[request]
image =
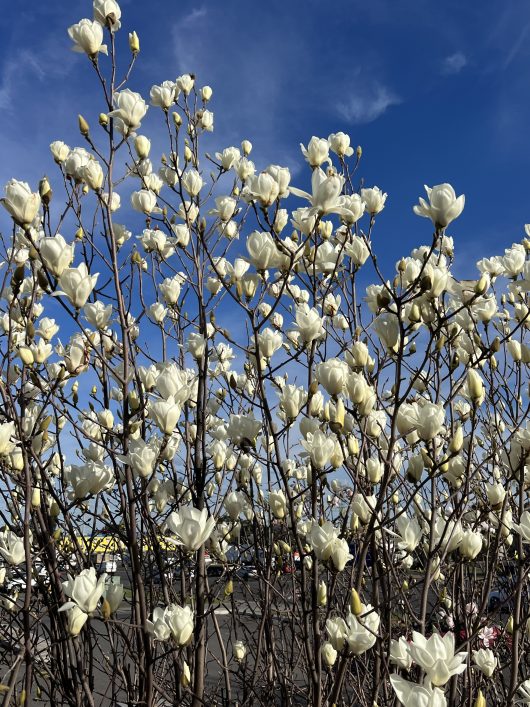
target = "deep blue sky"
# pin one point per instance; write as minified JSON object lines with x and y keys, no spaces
{"x":433,"y":91}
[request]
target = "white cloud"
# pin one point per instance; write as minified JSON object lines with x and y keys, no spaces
{"x":367,"y":103}
{"x":454,"y":63}
{"x":23,"y":64}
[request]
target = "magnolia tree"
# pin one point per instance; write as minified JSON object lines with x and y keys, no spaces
{"x":314,"y":489}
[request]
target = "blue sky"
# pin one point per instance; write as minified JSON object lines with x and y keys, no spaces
{"x":433,"y":91}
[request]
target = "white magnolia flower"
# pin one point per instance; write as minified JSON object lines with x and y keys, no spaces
{"x":114,"y":593}
{"x":7,"y":432}
{"x":12,"y":547}
{"x":144,"y":201}
{"x":108,"y":13}
{"x":77,"y":284}
{"x":278,"y":504}
{"x":76,"y":618}
{"x":87,"y":37}
{"x":325,"y":194}
{"x":85,"y":590}
{"x":374,"y":200}
{"x":130,"y":108}
{"x":317,"y":151}
{"x":165,"y":414}
{"x":361,"y":631}
{"x":339,"y":143}
{"x":174,"y":621}
{"x":399,"y":653}
{"x":411,"y":694}
{"x":163,"y":96}
{"x":437,"y":657}
{"x":443,"y":206}
{"x":56,"y":254}
{"x":485,"y":661}
{"x":191,"y":526}
{"x":21,"y":202}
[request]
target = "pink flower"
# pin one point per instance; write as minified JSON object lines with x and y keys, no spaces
{"x":488,"y":635}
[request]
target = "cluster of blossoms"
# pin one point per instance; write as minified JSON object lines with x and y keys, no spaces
{"x":222,"y":390}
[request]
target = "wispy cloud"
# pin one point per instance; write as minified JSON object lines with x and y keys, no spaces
{"x":516,"y":46}
{"x":23,"y":63}
{"x":454,"y":63}
{"x":367,"y":103}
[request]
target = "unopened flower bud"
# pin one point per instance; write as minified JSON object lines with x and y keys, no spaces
{"x":84,"y":128}
{"x":134,"y":42}
{"x":355,"y":603}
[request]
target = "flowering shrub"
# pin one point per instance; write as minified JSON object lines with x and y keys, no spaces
{"x":308,"y":491}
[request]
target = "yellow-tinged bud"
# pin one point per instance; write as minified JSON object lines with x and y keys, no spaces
{"x":359,"y":152}
{"x":229,"y":588}
{"x":185,"y":676}
{"x":337,"y":416}
{"x":415,"y":313}
{"x":134,"y":42}
{"x":26,"y":355}
{"x":188,"y":154}
{"x":405,"y":585}
{"x":45,"y":190}
{"x":177,"y":119}
{"x":482,"y":285}
{"x":509,"y":625}
{"x":355,"y":603}
{"x":457,"y":441}
{"x":103,"y":119}
{"x":322,"y":595}
{"x":35,"y":498}
{"x":106,"y":610}
{"x":480,"y":701}
{"x":84,"y":128}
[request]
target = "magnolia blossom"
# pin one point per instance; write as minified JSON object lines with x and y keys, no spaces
{"x":374,"y":200}
{"x":56,"y":254}
{"x":332,"y":375}
{"x":21,"y":202}
{"x":191,"y":526}
{"x":85,"y":590}
{"x":165,"y":413}
{"x":412,"y":695}
{"x":320,"y":448}
{"x":163,"y":96}
{"x":361,"y":631}
{"x":7,"y":432}
{"x":107,"y":13}
{"x":77,"y":284}
{"x":76,"y":618}
{"x":12,"y":547}
{"x":130,"y":108}
{"x":308,"y":324}
{"x":399,"y":653}
{"x":326,"y":544}
{"x":325,"y":194}
{"x":278,"y":504}
{"x":443,"y":206}
{"x":485,"y":661}
{"x":317,"y":151}
{"x":339,"y":143}
{"x":87,"y":37}
{"x":437,"y":657}
{"x":239,"y":650}
{"x":143,"y":201}
{"x":174,"y":621}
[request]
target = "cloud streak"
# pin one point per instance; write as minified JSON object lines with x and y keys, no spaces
{"x":454,"y":63}
{"x":367,"y":104}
